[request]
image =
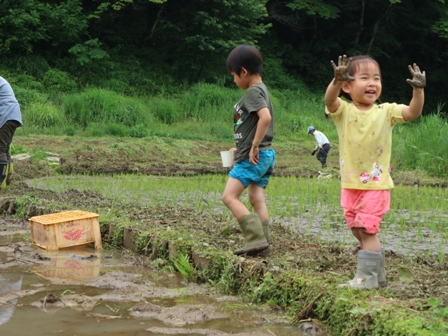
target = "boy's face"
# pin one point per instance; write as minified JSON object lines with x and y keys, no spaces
{"x":366,"y":88}
{"x":241,"y":79}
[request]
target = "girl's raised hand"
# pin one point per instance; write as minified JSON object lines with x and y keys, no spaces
{"x":341,"y":70}
{"x":418,"y":78}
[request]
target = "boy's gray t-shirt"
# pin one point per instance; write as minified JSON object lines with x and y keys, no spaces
{"x":245,"y":120}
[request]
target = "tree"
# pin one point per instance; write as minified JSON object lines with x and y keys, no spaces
{"x":189,"y":38}
{"x":33,"y":26}
{"x":395,"y":32}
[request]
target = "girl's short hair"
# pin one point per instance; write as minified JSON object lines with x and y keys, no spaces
{"x":245,"y":56}
{"x":355,"y":63}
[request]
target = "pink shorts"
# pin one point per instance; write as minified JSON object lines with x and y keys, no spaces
{"x":365,"y":208}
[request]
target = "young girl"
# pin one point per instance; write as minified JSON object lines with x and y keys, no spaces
{"x":254,"y":156}
{"x":365,"y":137}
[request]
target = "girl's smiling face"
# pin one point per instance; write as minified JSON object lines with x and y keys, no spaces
{"x":366,"y":88}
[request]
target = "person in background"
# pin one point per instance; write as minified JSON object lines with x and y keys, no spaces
{"x":322,"y":146}
{"x":10,"y":119}
{"x":254,"y":157}
{"x":365,"y":140}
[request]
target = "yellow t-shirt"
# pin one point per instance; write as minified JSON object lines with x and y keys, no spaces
{"x":365,"y":142}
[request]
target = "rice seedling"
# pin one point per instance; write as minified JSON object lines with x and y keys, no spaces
{"x":183,"y":266}
{"x":416,"y":221}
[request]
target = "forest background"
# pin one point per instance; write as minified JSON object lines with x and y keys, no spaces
{"x":157,"y":67}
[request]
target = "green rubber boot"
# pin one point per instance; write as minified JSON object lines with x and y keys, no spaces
{"x":254,"y":238}
{"x":10,"y":172}
{"x":382,"y":281}
{"x":267,"y":235}
{"x":366,"y":276}
{"x":4,"y":167}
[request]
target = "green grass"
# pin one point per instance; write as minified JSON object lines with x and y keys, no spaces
{"x":205,"y":112}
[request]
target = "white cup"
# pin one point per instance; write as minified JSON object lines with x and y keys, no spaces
{"x":227,"y":158}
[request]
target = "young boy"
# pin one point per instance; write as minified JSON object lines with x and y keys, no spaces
{"x":10,"y":119}
{"x":254,"y":156}
{"x":322,"y":145}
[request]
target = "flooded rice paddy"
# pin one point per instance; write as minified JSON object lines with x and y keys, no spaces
{"x":416,"y":223}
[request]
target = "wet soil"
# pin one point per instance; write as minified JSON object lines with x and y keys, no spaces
{"x":83,"y":291}
{"x":411,"y":281}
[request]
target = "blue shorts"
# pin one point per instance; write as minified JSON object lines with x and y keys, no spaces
{"x":247,"y":173}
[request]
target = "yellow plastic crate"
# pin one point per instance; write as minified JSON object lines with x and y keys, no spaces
{"x":66,"y":229}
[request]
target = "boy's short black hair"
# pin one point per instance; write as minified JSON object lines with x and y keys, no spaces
{"x":247,"y":57}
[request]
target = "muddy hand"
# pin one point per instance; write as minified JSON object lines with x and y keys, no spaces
{"x":418,"y":80}
{"x":341,"y":70}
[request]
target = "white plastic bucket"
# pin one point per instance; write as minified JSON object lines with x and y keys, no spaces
{"x":227,"y":158}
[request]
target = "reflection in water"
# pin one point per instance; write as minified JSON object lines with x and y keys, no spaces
{"x":12,"y":283}
{"x":88,"y":292}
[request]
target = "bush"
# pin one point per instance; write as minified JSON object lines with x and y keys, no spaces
{"x":106,"y":107}
{"x":27,"y":97}
{"x":138,"y":131}
{"x":422,"y":143}
{"x":60,"y":81}
{"x":209,"y":102}
{"x":116,"y":130}
{"x":167,"y":111}
{"x":43,"y":115}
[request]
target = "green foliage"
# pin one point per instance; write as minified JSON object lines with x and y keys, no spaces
{"x":183,"y":266}
{"x":102,"y":106}
{"x":115,"y":129}
{"x":422,"y":144}
{"x":118,"y":235}
{"x":207,"y":31}
{"x":315,"y":8}
{"x":27,"y":82}
{"x":23,"y":203}
{"x":69,"y":130}
{"x":27,"y":26}
{"x":28,"y":97}
{"x":43,"y":115}
{"x":117,"y":86}
{"x":59,"y":81}
{"x":167,"y":111}
{"x":439,"y":320}
{"x":203,"y":102}
{"x":138,"y":131}
{"x":30,"y":65}
{"x":88,"y":53}
{"x":222,"y":270}
{"x":107,"y":6}
{"x":16,"y":149}
{"x":96,"y":129}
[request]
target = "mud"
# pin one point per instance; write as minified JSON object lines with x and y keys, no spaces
{"x":412,"y":278}
{"x":87,"y":292}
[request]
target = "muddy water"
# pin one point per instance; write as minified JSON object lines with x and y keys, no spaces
{"x":89,"y":292}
